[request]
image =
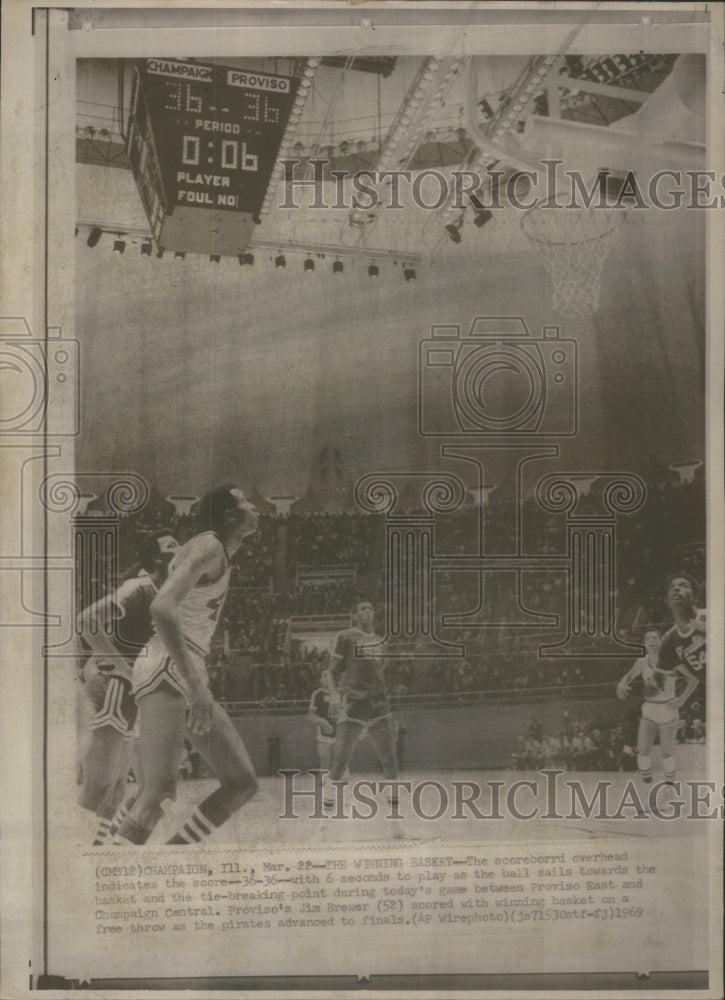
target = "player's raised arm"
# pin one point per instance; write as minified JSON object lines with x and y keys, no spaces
{"x":624,"y":685}
{"x":201,"y":557}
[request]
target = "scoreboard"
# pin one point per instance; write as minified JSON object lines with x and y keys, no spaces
{"x":202,"y":142}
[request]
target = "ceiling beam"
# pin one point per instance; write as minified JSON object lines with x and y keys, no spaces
{"x":116,"y":229}
{"x":603,"y":89}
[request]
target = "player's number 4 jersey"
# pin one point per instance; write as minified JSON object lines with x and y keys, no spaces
{"x":200,"y":609}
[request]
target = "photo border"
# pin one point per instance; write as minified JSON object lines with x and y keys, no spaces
{"x":23,"y":297}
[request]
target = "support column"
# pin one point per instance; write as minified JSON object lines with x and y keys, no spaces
{"x":409,"y":578}
{"x":94,"y":538}
{"x":95,"y":552}
{"x":510,"y":460}
{"x":591,"y":502}
{"x":410,"y":625}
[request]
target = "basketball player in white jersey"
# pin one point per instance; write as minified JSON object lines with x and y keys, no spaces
{"x":660,"y":710}
{"x":116,"y":629}
{"x":171,"y":681}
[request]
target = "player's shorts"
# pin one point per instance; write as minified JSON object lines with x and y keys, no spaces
{"x":661,"y":713}
{"x":365,"y":709}
{"x":111,"y":698}
{"x":154,"y":669}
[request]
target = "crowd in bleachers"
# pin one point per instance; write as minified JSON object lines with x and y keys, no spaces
{"x":332,"y":597}
{"x":666,"y":533}
{"x":330,"y":539}
{"x":480,"y":672}
{"x":252,"y":673}
{"x":311,"y":540}
{"x":254,"y":563}
{"x":254,"y":624}
{"x":268,"y":685}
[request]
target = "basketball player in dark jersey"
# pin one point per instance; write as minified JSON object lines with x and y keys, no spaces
{"x":686,"y":641}
{"x":171,"y":681}
{"x":359,"y":696}
{"x":116,"y":629}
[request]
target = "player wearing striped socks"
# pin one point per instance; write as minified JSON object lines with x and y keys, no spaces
{"x":206,"y":818}
{"x":102,"y":830}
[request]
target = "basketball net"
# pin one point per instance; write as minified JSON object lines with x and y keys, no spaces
{"x":573,"y":244}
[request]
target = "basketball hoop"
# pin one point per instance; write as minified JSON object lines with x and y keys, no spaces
{"x":573,"y":243}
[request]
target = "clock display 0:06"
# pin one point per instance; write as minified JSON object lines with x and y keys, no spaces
{"x":233,"y":154}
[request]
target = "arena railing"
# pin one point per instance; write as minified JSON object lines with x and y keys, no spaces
{"x":451,"y":699}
